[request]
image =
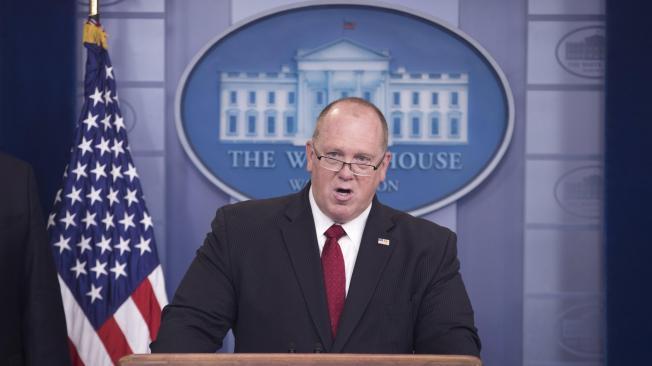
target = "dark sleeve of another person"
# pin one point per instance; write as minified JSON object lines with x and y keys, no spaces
{"x":44,"y":323}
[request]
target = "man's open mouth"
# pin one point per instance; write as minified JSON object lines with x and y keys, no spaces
{"x":343,"y":194}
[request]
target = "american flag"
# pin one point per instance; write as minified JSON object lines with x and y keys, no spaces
{"x":101,"y":233}
{"x":348,"y":24}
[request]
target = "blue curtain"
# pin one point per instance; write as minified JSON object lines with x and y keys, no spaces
{"x":37,"y":86}
{"x":628,"y":179}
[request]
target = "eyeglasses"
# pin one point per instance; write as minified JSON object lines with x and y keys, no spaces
{"x":335,"y":165}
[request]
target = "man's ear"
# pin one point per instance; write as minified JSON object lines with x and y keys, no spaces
{"x":309,"y":152}
{"x":385,"y":165}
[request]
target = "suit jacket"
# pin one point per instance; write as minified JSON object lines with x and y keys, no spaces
{"x":259,"y":273}
{"x":33,"y":325}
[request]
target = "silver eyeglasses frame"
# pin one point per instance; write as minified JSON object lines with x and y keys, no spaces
{"x":327,"y":162}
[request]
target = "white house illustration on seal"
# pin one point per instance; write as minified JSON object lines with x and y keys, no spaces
{"x":282,"y":106}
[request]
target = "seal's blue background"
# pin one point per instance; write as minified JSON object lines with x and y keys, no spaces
{"x":414,"y":43}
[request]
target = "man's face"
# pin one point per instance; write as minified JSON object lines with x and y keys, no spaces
{"x":351,"y":133}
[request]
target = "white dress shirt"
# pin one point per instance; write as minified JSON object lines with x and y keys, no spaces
{"x":349,"y":243}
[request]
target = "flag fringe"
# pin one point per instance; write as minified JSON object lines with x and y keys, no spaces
{"x":94,"y":34}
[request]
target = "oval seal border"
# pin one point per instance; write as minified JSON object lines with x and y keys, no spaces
{"x":457,"y":194}
{"x":563,"y":64}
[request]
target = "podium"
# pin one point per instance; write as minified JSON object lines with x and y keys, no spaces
{"x":295,"y":359}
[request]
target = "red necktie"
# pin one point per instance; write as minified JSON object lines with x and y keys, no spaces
{"x":332,"y":263}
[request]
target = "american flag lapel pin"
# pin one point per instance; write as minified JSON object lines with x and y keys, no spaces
{"x":383,"y":241}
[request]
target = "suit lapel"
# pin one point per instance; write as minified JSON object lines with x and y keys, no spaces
{"x":369,"y":266}
{"x":301,"y":243}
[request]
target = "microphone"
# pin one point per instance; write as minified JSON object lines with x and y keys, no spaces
{"x":317,"y":348}
{"x":292,"y":348}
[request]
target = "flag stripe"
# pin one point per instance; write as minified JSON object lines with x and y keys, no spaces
{"x":148,"y":306}
{"x":114,"y":340}
{"x":74,"y":356}
{"x":133,"y":326}
{"x":158,"y":284}
{"x":89,"y":346}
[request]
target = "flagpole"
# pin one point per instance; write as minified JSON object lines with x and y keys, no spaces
{"x":92,"y":9}
{"x":114,"y":313}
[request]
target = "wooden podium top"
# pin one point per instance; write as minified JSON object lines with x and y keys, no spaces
{"x":320,"y":359}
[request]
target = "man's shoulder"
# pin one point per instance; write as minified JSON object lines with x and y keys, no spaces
{"x":261,"y":207}
{"x":16,"y":185}
{"x":406,"y":223}
{"x":10,"y":164}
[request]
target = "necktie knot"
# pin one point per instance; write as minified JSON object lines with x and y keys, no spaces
{"x":335,"y":232}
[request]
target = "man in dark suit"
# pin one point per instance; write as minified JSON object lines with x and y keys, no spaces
{"x":328,"y":269}
{"x":33,"y":326}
